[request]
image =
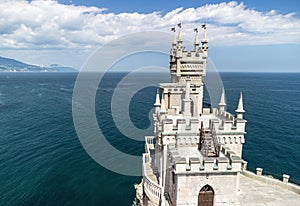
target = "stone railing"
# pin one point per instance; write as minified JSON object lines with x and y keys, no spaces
{"x":149,"y":139}
{"x":272,"y":181}
{"x":151,"y":188}
{"x":149,"y":144}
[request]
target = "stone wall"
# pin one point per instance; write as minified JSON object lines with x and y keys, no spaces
{"x":188,"y":187}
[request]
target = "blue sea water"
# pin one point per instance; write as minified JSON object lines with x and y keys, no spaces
{"x":43,"y":163}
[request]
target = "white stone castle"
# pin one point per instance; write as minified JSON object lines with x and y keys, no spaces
{"x":195,"y":155}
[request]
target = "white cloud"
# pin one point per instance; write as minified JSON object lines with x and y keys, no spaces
{"x":47,"y":24}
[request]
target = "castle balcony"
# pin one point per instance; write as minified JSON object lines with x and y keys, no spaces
{"x":151,"y":187}
{"x":149,"y":143}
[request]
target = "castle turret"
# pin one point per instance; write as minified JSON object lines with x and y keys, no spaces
{"x":174,"y":38}
{"x":179,"y":52}
{"x":240,"y":110}
{"x":157,"y":102}
{"x":222,"y":103}
{"x":163,"y":105}
{"x":187,"y":100}
{"x":179,"y":40}
{"x":196,"y":41}
{"x":185,"y":65}
{"x":204,"y":41}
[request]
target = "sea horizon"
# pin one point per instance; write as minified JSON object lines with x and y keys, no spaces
{"x":43,"y":162}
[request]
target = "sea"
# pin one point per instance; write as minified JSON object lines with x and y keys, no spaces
{"x":42,"y":161}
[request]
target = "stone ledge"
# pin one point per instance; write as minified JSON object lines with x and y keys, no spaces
{"x":274,"y":182}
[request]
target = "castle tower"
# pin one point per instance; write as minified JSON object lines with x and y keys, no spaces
{"x":157,"y":102}
{"x":204,"y":39}
{"x":186,"y":65}
{"x":222,"y":103}
{"x":196,"y":41}
{"x":191,"y":144}
{"x":163,"y":106}
{"x":195,"y":155}
{"x":240,"y":109}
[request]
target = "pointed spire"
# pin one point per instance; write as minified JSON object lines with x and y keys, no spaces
{"x":157,"y":99}
{"x":163,"y":105}
{"x":174,"y":38}
{"x":240,"y":109}
{"x":204,"y":40}
{"x":179,"y":33}
{"x":196,"y":41}
{"x":222,"y":103}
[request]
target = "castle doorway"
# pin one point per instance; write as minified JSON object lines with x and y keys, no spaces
{"x":206,"y":196}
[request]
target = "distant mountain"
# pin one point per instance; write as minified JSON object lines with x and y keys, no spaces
{"x":12,"y":65}
{"x":62,"y":68}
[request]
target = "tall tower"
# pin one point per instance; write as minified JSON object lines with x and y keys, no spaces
{"x":184,"y":63}
{"x":189,"y":65}
{"x":194,"y":157}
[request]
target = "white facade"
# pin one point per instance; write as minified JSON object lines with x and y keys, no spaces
{"x":195,"y":153}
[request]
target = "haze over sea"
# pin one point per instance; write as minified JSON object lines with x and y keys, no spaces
{"x":43,"y":163}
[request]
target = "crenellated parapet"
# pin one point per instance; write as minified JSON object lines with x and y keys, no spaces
{"x":228,"y":163}
{"x":230,"y":128}
{"x":172,"y":126}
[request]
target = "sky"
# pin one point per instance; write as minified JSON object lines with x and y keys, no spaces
{"x":244,"y":36}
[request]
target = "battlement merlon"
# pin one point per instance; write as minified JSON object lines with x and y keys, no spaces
{"x":175,"y":129}
{"x":191,"y":161}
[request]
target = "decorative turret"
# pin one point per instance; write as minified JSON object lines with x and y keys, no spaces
{"x":222,"y":103}
{"x":163,"y":106}
{"x":179,"y":51}
{"x":173,"y":49}
{"x":179,"y":34}
{"x":240,"y":110}
{"x":196,"y":41}
{"x":185,"y":63}
{"x":187,"y":99}
{"x":157,"y":102}
{"x":174,"y":38}
{"x":204,"y":39}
